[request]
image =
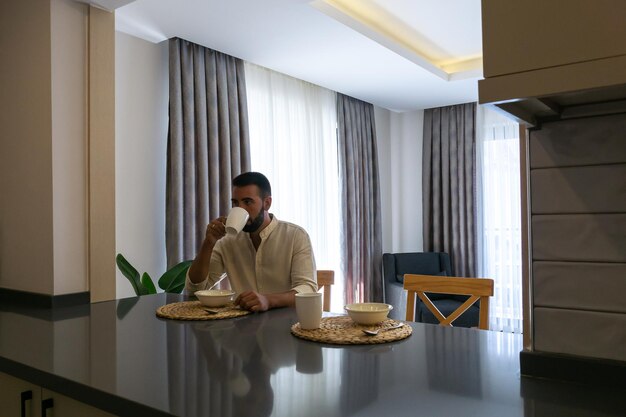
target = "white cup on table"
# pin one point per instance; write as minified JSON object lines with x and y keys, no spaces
{"x":309,"y":309}
{"x":236,"y":220}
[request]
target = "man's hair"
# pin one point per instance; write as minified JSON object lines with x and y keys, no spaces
{"x":254,"y":178}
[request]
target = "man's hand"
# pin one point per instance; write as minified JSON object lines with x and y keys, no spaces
{"x":199,"y":268}
{"x":215,"y":230}
{"x":253,"y":301}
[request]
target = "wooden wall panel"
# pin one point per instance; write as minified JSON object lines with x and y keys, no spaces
{"x":578,"y":228}
{"x":587,"y":141}
{"x":579,"y":237}
{"x":588,"y":189}
{"x":583,"y":333}
{"x":26,"y":205}
{"x":101,"y":155}
{"x":580,"y":285}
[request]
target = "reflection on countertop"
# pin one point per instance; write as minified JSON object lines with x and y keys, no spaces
{"x":120,"y":357}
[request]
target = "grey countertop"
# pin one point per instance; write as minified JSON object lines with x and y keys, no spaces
{"x":118,"y":356}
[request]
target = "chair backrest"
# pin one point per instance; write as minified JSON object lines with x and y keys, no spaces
{"x":477,"y":288}
{"x":325,"y":278}
{"x":395,"y":265}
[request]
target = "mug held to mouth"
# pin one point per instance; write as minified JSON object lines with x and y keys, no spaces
{"x":236,"y":220}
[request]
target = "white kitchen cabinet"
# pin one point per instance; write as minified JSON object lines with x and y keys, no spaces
{"x":19,"y":398}
{"x":68,"y":407}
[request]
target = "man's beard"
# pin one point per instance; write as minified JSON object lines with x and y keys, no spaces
{"x":256,"y":223}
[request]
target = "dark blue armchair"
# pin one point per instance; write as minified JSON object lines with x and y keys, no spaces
{"x":395,"y":265}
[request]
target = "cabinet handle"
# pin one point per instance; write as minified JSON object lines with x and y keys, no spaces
{"x":25,"y":396}
{"x":45,"y":405}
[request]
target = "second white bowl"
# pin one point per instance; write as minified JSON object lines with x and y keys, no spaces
{"x":215,"y":298}
{"x":368,"y":313}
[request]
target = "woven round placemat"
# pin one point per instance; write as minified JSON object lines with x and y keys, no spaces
{"x":342,"y":330}
{"x":194,"y":310}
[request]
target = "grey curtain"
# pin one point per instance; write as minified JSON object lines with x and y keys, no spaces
{"x":361,"y":240}
{"x":449,"y":185}
{"x":208,"y":142}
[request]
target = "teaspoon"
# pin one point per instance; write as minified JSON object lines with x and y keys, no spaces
{"x":375,"y":332}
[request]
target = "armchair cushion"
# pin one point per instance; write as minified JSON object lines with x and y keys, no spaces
{"x":426,"y":263}
{"x":395,"y":265}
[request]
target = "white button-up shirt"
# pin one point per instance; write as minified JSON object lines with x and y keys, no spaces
{"x":283,"y":262}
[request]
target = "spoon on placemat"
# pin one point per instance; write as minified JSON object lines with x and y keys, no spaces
{"x":375,"y":332}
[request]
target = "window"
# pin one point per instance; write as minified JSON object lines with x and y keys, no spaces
{"x":500,"y":217}
{"x":293,"y":141}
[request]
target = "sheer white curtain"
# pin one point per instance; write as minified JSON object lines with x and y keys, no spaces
{"x":293,"y":141}
{"x":500,"y":217}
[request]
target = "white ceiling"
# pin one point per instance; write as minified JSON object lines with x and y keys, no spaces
{"x":398,"y":54}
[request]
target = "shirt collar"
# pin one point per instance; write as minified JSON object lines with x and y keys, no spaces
{"x":270,"y":227}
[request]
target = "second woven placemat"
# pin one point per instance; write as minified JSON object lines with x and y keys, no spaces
{"x":342,"y":330}
{"x":194,"y":310}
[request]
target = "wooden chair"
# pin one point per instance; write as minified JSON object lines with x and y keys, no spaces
{"x":324,"y":280}
{"x":476,"y":288}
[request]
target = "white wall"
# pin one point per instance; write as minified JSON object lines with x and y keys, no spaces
{"x":141,"y":108}
{"x":399,"y":138}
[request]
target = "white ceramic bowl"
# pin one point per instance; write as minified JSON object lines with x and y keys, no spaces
{"x":215,"y":298}
{"x":368,"y":313}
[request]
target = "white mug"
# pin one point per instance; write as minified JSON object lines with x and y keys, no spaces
{"x":236,"y":220}
{"x":309,"y":309}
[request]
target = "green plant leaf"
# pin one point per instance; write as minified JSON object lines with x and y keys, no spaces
{"x":146,"y":281}
{"x":172,"y":279}
{"x":130,"y":273}
{"x":178,"y":289}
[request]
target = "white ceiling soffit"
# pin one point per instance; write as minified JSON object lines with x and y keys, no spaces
{"x":424,"y":54}
{"x":108,"y":5}
{"x":394,"y":25}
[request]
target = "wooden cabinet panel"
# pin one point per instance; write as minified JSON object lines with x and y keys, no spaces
{"x":527,"y":35}
{"x":541,"y":56}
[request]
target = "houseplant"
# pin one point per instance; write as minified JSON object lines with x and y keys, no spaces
{"x":172,"y":280}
